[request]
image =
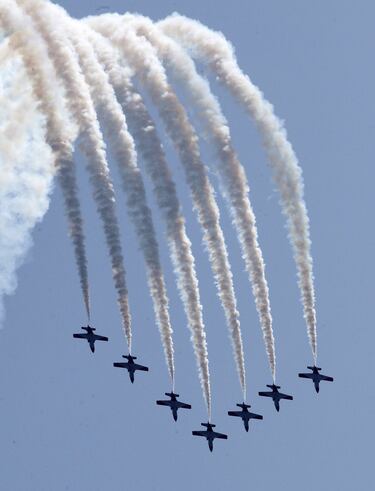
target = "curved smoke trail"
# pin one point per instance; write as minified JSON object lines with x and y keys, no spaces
{"x":25,"y":184}
{"x":142,"y":58}
{"x":59,"y":132}
{"x":143,"y":128}
{"x":212,"y":48}
{"x":232,"y":175}
{"x":82,"y":109}
{"x":125,"y":153}
{"x":72,"y":69}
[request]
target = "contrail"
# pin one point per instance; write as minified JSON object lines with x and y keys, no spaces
{"x":82,"y":109}
{"x":25,"y":184}
{"x":58,"y":76}
{"x":212,"y":48}
{"x":59,"y":132}
{"x":143,"y":128}
{"x":232,"y":175}
{"x":117,"y":132}
{"x":142,"y":58}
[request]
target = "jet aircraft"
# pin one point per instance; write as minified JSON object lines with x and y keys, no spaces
{"x":245,"y":414}
{"x":210,"y":434}
{"x":90,"y":336}
{"x":173,"y":403}
{"x":276,"y":395}
{"x":315,"y":376}
{"x":130,"y":366}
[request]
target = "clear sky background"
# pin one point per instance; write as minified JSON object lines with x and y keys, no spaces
{"x":70,"y":421}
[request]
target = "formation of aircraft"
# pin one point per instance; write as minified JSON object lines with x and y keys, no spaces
{"x":90,"y":336}
{"x":245,"y":414}
{"x":210,"y":434}
{"x":276,"y":395}
{"x":174,"y":404}
{"x":316,"y":377}
{"x":131,"y":366}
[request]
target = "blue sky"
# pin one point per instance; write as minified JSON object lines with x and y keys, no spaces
{"x":73,"y":422}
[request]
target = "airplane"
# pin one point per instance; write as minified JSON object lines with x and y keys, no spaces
{"x":90,"y":336}
{"x":130,"y":366}
{"x":276,"y":395}
{"x":210,"y":434}
{"x":245,"y":414}
{"x":173,"y":403}
{"x":315,"y":376}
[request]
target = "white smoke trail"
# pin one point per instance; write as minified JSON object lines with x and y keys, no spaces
{"x":143,"y":128}
{"x":117,"y":132}
{"x":178,"y":127}
{"x":59,"y":130}
{"x":212,"y":48}
{"x":25,"y":183}
{"x":232,"y":175}
{"x":142,"y":58}
{"x":81,"y":107}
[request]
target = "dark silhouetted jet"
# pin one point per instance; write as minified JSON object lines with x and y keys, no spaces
{"x":245,"y":414}
{"x":90,"y":336}
{"x":276,"y":395}
{"x":210,"y":434}
{"x":130,"y":366}
{"x":174,"y":404}
{"x":315,"y":376}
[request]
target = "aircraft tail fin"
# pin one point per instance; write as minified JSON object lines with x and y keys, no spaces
{"x":207,"y":425}
{"x":243,"y":405}
{"x":129,"y":357}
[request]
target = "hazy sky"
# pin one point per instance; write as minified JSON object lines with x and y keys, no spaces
{"x":70,"y":421}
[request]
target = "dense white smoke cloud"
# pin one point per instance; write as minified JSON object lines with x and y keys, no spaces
{"x":60,"y":132}
{"x":26,"y":168}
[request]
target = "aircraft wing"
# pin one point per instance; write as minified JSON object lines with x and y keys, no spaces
{"x":183,"y":405}
{"x":256,"y":416}
{"x":266,"y":394}
{"x":305,"y":375}
{"x":140,"y":367}
{"x":286,"y":396}
{"x":220,"y":435}
{"x":325,"y":377}
{"x":235,"y":413}
{"x":80,"y":336}
{"x":121,"y":365}
{"x":163,"y":403}
{"x":100,"y":338}
{"x":200,"y":433}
